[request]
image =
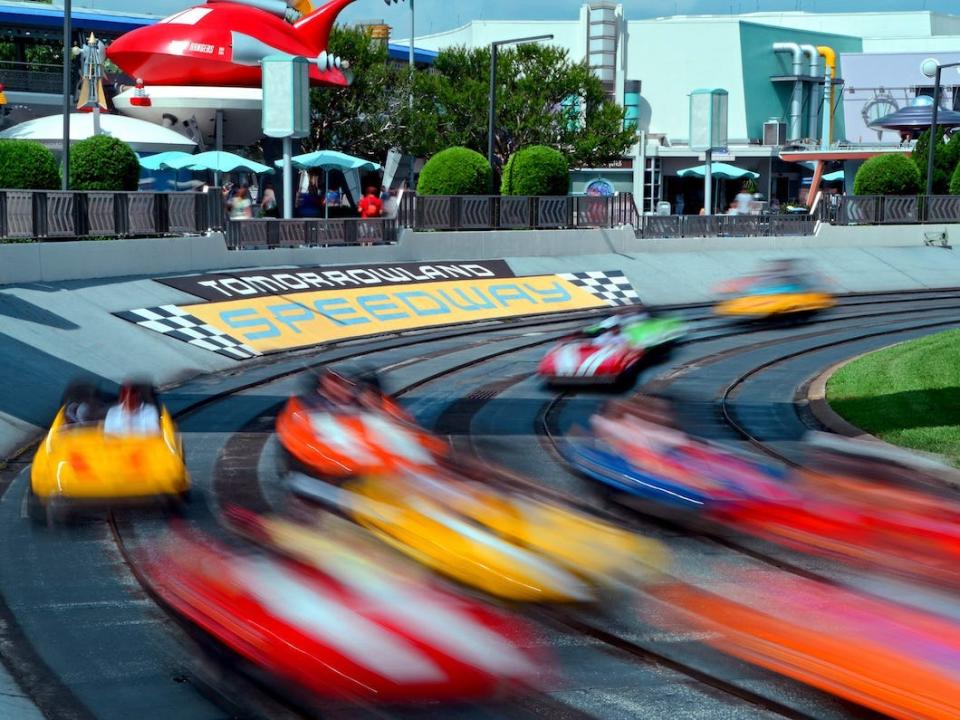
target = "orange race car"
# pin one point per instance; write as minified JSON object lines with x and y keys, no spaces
{"x":901,"y":661}
{"x":346,"y":428}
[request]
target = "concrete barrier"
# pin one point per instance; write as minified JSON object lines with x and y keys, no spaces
{"x":56,"y":321}
{"x":152,"y":257}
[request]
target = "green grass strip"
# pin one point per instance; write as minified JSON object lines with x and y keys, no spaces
{"x":908,"y":394}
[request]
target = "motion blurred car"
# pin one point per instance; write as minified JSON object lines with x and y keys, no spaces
{"x":510,"y":547}
{"x":871,"y":506}
{"x":341,"y":627}
{"x":782,"y":288}
{"x":346,"y":429}
{"x":887,"y":656}
{"x":636,"y":452}
{"x":609,"y":351}
{"x":83,"y":462}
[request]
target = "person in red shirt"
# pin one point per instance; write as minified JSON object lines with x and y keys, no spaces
{"x":371,"y":206}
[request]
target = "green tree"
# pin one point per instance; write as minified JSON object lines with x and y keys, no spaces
{"x":40,"y":54}
{"x":455,"y":171}
{"x":954,"y":187}
{"x":543,"y":98}
{"x":945,"y":160}
{"x":102,"y":162}
{"x":364,"y":118}
{"x":27,"y":165}
{"x":890,"y":174}
{"x":537,"y":170}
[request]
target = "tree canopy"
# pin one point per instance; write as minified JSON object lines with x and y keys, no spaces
{"x":364,"y":118}
{"x":542,"y":99}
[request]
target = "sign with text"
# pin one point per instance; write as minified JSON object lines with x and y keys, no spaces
{"x":257,"y":283}
{"x":252,"y":316}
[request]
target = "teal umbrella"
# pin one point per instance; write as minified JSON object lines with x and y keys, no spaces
{"x":720,"y":171}
{"x":161,"y":161}
{"x":833,"y":177}
{"x":328,"y":160}
{"x":223,"y":162}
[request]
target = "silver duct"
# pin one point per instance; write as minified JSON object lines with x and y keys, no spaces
{"x":794,"y":129}
{"x":816,"y":90}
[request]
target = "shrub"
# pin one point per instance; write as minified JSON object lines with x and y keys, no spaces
{"x":102,"y":162}
{"x":455,"y":171}
{"x":536,"y":170}
{"x":946,"y":158}
{"x":955,"y":182}
{"x":27,"y":165}
{"x":887,"y":175}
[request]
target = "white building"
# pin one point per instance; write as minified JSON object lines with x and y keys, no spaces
{"x":650,"y":66}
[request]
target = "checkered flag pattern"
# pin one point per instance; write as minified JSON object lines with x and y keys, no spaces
{"x":174,"y":322}
{"x":611,"y":286}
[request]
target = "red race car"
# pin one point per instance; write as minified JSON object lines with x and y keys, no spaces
{"x":355,"y":632}
{"x":607,"y":352}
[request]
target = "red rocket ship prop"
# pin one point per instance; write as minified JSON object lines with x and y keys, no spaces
{"x":222,"y":43}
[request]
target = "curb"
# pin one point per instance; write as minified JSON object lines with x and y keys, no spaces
{"x":816,"y":396}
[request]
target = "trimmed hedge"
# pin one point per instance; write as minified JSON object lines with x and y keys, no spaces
{"x":27,"y":165}
{"x":104,"y":163}
{"x":955,"y":182}
{"x":946,"y":158}
{"x":455,"y":171}
{"x":887,"y":175}
{"x":536,"y":170}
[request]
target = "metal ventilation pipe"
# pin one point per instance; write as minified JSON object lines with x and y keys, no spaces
{"x":829,"y":74}
{"x":815,"y":95}
{"x":794,"y":130}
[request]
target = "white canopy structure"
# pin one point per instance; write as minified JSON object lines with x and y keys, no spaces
{"x":142,"y":136}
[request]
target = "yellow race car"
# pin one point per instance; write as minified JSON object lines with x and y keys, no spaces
{"x":781,"y":289}
{"x":506,"y":545}
{"x":99,"y":453}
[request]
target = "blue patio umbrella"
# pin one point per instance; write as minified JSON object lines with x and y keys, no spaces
{"x":160,"y":160}
{"x":328,"y":160}
{"x":720,"y":171}
{"x":833,"y":177}
{"x":218,"y":161}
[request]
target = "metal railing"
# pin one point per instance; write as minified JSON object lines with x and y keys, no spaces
{"x":31,"y":77}
{"x":680,"y":226}
{"x":506,"y":212}
{"x":892,"y":209}
{"x":269,"y":233}
{"x":55,"y":215}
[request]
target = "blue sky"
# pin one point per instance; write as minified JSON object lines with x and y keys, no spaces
{"x":437,"y":15}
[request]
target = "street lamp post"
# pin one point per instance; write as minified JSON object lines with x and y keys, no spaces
{"x":932,"y":68}
{"x":67,"y":32}
{"x":411,"y":61}
{"x":492,"y":111}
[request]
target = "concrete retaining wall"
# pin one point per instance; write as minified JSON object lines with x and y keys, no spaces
{"x":60,"y":261}
{"x":56,"y":322}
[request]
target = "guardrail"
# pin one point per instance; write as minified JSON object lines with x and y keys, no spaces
{"x":31,"y":77}
{"x":268,"y":233}
{"x":679,"y":226}
{"x":508,"y":212}
{"x":892,"y":209}
{"x":55,"y":215}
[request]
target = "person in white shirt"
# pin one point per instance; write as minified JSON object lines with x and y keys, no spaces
{"x":131,"y":415}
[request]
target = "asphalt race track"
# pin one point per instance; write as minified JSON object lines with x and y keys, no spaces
{"x":86,"y":641}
